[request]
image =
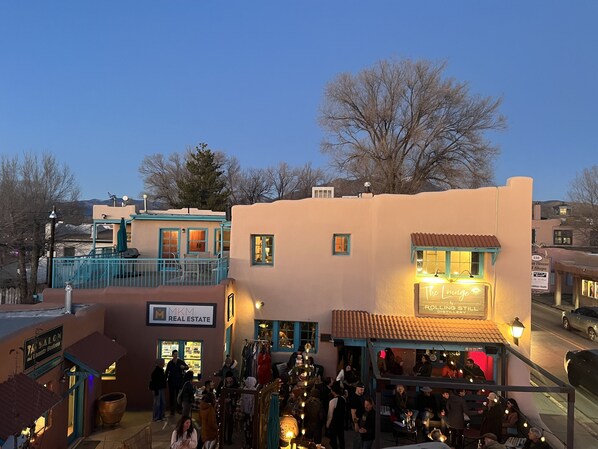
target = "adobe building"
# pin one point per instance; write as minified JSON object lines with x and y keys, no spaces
{"x":163,"y":283}
{"x":51,"y":376}
{"x":440,"y":273}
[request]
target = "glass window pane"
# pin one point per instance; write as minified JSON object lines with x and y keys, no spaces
{"x":286,"y":335}
{"x":264,"y":330}
{"x":433,"y":262}
{"x":197,"y":240}
{"x":308,"y":335}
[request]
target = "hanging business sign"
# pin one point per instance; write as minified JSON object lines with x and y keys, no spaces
{"x":540,"y":272}
{"x":181,"y":314}
{"x":451,"y":299}
{"x":42,"y":346}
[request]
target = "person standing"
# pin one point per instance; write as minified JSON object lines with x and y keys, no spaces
{"x":209,"y":424}
{"x":184,"y":436}
{"x":367,"y":424}
{"x":314,"y":417}
{"x":187,"y":393}
{"x":492,"y":416}
{"x":335,"y":422}
{"x":174,"y":375}
{"x":456,"y":409}
{"x":264,"y":365}
{"x":356,"y":404}
{"x":158,"y":386}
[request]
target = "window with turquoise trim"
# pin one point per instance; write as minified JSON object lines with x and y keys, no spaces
{"x":453,"y":263}
{"x":225,"y":241}
{"x":341,"y":244}
{"x":287,"y":336}
{"x":197,"y":240}
{"x":262,"y":249}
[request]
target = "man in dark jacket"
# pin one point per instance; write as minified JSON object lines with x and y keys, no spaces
{"x":367,"y":424}
{"x":314,"y":417}
{"x":158,"y":387}
{"x":335,"y":422}
{"x":427,"y":407}
{"x":175,"y":371}
{"x":456,"y":408}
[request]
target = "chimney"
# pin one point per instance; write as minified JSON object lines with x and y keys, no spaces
{"x":537,"y":212}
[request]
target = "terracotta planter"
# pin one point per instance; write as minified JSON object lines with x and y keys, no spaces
{"x":112,"y":407}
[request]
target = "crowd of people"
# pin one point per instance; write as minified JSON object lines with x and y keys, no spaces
{"x":328,"y":409}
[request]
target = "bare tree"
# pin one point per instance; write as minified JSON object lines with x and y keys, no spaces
{"x":403,"y":124}
{"x":254,"y":186}
{"x":308,"y":177}
{"x":29,"y":188}
{"x":283,"y":179}
{"x":160,"y":176}
{"x":233,"y":176}
{"x":584,"y":193}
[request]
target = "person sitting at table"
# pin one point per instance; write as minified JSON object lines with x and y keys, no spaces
{"x":424,"y":367}
{"x":450,"y":370}
{"x":535,"y":440}
{"x":471,"y":370}
{"x":491,"y":442}
{"x":400,"y":406}
{"x":511,"y":418}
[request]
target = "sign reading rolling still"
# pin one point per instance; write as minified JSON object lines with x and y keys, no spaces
{"x":451,"y":299}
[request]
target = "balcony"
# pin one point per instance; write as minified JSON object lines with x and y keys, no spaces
{"x":99,"y":271}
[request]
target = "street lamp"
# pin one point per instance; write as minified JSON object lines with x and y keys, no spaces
{"x":52,"y":218}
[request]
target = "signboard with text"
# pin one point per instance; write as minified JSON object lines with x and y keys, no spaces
{"x":42,"y":346}
{"x":540,"y":272}
{"x":451,"y":299}
{"x":181,"y":314}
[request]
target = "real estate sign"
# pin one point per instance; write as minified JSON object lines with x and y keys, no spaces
{"x":181,"y":314}
{"x":540,"y":272}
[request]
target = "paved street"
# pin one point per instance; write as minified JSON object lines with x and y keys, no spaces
{"x":550,"y":342}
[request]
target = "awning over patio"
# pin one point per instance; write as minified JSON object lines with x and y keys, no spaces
{"x":355,"y":324}
{"x":23,"y":401}
{"x":95,"y":353}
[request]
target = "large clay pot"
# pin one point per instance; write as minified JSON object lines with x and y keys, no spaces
{"x":112,"y":407}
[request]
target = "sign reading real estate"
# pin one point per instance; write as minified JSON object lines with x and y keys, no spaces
{"x":540,"y":272}
{"x":181,"y":314}
{"x":42,"y":346}
{"x":451,"y":299}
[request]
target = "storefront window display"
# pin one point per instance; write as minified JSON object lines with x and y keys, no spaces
{"x":189,"y":351}
{"x":589,"y":288}
{"x":287,"y":335}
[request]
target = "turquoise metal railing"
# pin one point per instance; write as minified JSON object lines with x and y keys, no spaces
{"x":100,"y":272}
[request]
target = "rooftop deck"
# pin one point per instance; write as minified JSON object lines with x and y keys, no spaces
{"x":91,"y":272}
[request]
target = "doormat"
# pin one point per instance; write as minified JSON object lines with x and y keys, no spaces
{"x":88,"y":444}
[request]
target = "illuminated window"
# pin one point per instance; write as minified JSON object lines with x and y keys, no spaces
{"x":341,"y":244}
{"x":197,"y":240}
{"x":287,"y":336}
{"x":563,"y":237}
{"x":432,"y":262}
{"x":262,"y":249}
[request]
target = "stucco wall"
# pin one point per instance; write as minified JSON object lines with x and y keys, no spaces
{"x":307,"y":281}
{"x":75,"y":327}
{"x":126,"y":322}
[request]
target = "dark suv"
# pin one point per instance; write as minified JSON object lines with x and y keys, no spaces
{"x":582,"y":368}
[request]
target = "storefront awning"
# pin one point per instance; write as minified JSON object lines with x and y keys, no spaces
{"x":24,"y":400}
{"x":95,"y":353}
{"x":354,"y":324}
{"x":455,"y":242}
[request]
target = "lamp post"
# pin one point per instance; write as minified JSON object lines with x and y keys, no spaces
{"x":52,"y":217}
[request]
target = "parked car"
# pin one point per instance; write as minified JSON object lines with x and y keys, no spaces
{"x":584,"y":319}
{"x":582,"y":368}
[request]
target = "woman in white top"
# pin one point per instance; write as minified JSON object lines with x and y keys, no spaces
{"x":184,"y":436}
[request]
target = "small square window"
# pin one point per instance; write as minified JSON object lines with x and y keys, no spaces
{"x":341,"y":244}
{"x":262,"y":249}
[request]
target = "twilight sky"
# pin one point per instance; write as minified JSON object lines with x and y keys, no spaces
{"x":101,"y":84}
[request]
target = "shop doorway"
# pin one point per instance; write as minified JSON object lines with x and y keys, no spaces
{"x":75,"y":406}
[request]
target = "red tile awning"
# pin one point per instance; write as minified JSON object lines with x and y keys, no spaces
{"x":23,"y":401}
{"x":419,"y":239}
{"x":360,"y":325}
{"x":95,"y":353}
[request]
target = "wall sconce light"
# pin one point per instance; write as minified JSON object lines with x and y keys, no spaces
{"x":517,"y":329}
{"x":259,"y":304}
{"x":183,"y":230}
{"x":104,"y":216}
